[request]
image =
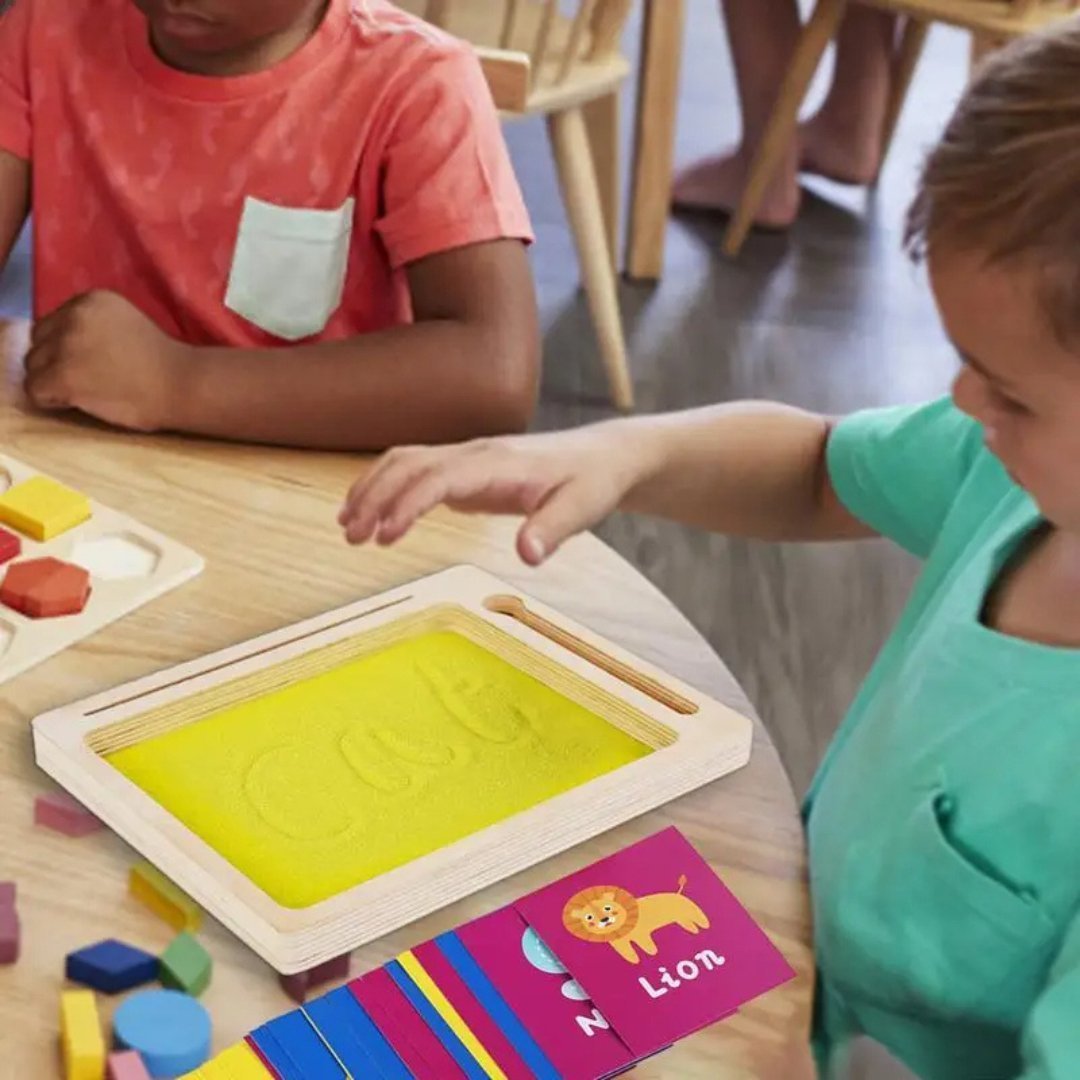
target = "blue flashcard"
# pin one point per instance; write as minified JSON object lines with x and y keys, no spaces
{"x":483,"y":989}
{"x":342,"y":1022}
{"x":295,"y":1050}
{"x":453,"y":1045}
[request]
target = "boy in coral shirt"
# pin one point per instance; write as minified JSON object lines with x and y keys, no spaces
{"x":285,"y":221}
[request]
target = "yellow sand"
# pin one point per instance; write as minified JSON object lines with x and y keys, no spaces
{"x":336,"y":779}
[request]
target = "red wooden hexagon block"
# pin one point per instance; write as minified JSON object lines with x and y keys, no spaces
{"x":10,"y":546}
{"x":45,"y":588}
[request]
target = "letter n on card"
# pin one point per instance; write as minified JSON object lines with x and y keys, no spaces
{"x":656,"y":941}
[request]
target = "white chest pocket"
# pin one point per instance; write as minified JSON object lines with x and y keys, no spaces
{"x":288,"y":269}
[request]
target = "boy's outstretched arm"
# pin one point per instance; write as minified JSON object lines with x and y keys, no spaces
{"x":468,"y":366}
{"x":748,"y":469}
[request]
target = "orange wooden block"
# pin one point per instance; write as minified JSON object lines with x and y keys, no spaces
{"x":45,"y":588}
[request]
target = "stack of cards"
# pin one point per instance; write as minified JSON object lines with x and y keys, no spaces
{"x":578,"y":981}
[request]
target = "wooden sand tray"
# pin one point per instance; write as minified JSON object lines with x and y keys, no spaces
{"x":323,"y":785}
{"x":129,"y":564}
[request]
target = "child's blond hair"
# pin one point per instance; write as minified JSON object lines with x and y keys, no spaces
{"x":1005,"y":178}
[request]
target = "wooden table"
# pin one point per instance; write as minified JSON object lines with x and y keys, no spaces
{"x":662,"y":25}
{"x":264,"y":519}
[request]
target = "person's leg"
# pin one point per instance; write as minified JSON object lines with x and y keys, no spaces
{"x":762,"y":34}
{"x":843,"y":141}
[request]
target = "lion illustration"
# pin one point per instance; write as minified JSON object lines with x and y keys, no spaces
{"x":607,"y":913}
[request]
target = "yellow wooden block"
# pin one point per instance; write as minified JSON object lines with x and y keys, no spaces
{"x":80,"y":1036}
{"x":163,"y":898}
{"x":43,"y":508}
{"x":239,"y":1062}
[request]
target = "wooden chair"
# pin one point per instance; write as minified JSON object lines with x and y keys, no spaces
{"x":992,"y":22}
{"x":562,"y":59}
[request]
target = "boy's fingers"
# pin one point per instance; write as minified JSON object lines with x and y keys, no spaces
{"x":413,"y":502}
{"x":393,"y":470}
{"x":362,"y":484}
{"x":371,"y":507}
{"x":44,"y":328}
{"x":45,"y":388}
{"x":38,"y":358}
{"x":467,"y":483}
{"x":570,"y":510}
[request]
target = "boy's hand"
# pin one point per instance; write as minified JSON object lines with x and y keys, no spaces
{"x":563,"y":483}
{"x":99,"y":354}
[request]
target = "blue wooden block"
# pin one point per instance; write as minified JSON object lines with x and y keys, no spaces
{"x":111,"y":967}
{"x":170,"y":1030}
{"x":293,"y":1047}
{"x":343,"y":1023}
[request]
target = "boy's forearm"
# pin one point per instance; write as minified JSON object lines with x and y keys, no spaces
{"x":431,"y":382}
{"x":751,"y":469}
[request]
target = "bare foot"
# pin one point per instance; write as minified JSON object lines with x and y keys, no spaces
{"x":846,"y":153}
{"x":714,"y":185}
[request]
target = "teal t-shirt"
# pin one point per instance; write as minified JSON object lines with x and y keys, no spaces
{"x":944,"y":822}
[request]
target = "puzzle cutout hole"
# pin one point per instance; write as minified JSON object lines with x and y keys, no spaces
{"x":326,"y":777}
{"x":119,"y":557}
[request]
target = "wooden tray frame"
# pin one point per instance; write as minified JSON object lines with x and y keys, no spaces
{"x":691,"y":750}
{"x":35,"y":640}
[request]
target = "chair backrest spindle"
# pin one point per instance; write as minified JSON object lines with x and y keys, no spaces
{"x":510,"y":20}
{"x":608,"y":23}
{"x":559,"y":37}
{"x":543,"y":37}
{"x":583,"y":22}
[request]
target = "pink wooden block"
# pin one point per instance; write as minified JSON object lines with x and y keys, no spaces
{"x":126,"y":1065}
{"x":298,"y":986}
{"x":61,"y":813}
{"x":9,"y":934}
{"x":7,"y":894}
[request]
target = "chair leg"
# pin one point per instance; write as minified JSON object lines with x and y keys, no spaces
{"x":820,"y":30}
{"x":602,"y":122}
{"x":581,"y":193}
{"x":907,"y":59}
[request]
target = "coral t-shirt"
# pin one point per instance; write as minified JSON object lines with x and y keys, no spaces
{"x":281,"y":205}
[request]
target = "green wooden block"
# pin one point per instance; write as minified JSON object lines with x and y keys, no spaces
{"x":186,"y":965}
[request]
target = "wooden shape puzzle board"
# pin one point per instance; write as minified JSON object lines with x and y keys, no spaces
{"x":321,"y":786}
{"x":129,"y":563}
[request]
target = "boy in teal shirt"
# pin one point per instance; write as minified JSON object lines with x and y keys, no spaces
{"x":943,"y":822}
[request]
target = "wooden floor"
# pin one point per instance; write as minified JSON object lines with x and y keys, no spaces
{"x":831,"y":318}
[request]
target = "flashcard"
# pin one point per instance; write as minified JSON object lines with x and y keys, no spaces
{"x":294,"y":1049}
{"x":575,"y":1037}
{"x":656,"y":941}
{"x":411,"y":1038}
{"x":479,"y":1027}
{"x":496,"y":1007}
{"x":357,"y":1042}
{"x":447,"y":1029}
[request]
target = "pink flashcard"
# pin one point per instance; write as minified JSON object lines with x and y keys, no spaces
{"x":413,"y":1041}
{"x":656,"y":940}
{"x":485,"y":1029}
{"x":571,"y":1031}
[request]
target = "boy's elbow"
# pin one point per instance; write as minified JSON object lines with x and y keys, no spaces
{"x":511,"y":390}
